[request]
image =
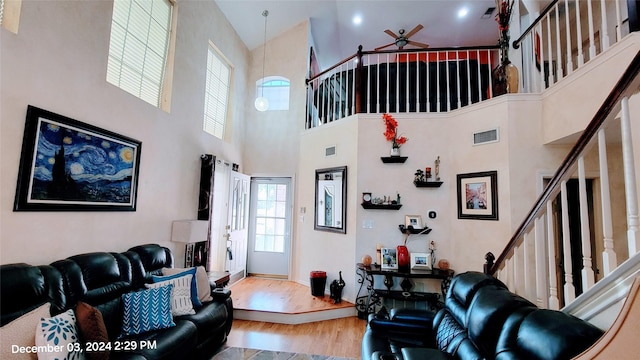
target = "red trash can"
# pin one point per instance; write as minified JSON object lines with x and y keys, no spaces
{"x":318,"y":281}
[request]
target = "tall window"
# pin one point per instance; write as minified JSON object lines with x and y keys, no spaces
{"x":10,"y":14}
{"x":276,"y":90}
{"x":139,"y":47}
{"x":216,"y":93}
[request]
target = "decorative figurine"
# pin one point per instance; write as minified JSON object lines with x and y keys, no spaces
{"x":419,"y":176}
{"x":437,"y":167}
{"x":427,"y":172}
{"x":336,"y":289}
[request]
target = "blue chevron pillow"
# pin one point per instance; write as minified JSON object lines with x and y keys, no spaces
{"x":147,"y":310}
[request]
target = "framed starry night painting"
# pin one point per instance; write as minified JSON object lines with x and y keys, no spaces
{"x":68,"y":165}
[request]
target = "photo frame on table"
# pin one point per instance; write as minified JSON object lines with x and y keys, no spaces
{"x":421,"y":261}
{"x":68,"y":165}
{"x":414,"y":221}
{"x":389,"y":258}
{"x":478,"y":195}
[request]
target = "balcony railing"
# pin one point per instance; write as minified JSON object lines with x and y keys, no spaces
{"x":566,"y":36}
{"x":551,"y":262}
{"x":434,"y":80}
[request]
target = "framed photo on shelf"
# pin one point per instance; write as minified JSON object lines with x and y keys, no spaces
{"x":421,"y":261}
{"x":389,"y":258}
{"x":415,"y":221}
{"x":478,"y":195}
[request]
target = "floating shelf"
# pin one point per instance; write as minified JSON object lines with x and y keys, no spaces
{"x":411,"y":230}
{"x":428,"y":184}
{"x":381,"y":207}
{"x":394,"y":159}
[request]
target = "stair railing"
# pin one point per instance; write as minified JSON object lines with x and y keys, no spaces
{"x":537,"y":262}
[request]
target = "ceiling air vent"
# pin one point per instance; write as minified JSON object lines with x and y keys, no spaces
{"x":486,"y":137}
{"x":330,"y":151}
{"x":487,"y":14}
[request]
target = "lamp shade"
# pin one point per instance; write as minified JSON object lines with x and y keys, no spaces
{"x":189,"y":231}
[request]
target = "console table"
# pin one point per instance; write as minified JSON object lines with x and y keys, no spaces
{"x":365,"y":303}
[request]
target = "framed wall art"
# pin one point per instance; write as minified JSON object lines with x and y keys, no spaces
{"x":478,"y":195}
{"x":415,"y":221}
{"x":68,"y":165}
{"x":421,"y":261}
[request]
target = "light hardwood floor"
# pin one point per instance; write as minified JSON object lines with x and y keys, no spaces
{"x":339,"y":337}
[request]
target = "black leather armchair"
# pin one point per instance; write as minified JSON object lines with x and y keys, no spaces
{"x":481,"y":319}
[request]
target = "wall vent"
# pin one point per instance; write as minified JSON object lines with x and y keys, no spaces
{"x":486,"y":137}
{"x":330,"y":151}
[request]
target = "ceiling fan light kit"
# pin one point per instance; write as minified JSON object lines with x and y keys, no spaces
{"x":402,"y":40}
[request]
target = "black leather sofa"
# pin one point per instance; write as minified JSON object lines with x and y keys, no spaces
{"x":480,"y":319}
{"x":100,"y":279}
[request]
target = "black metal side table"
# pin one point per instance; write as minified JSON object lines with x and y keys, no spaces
{"x":366,"y":303}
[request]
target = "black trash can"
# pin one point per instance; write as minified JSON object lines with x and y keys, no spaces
{"x":318,"y":280}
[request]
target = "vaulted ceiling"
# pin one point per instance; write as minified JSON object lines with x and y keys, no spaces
{"x":336,"y":35}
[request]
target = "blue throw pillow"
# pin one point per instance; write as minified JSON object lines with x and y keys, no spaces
{"x":147,"y":310}
{"x":194,"y":285}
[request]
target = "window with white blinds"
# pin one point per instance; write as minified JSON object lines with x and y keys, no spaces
{"x":216,"y":93}
{"x":139,"y":46}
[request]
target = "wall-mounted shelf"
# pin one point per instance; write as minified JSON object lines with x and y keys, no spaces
{"x":382,"y":207}
{"x":411,"y":230}
{"x":428,"y":184}
{"x":394,"y":159}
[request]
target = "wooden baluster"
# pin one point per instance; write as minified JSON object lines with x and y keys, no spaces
{"x":378,"y":84}
{"x":609,"y":257}
{"x":554,"y":301}
{"x":588,"y":276}
{"x":388,"y":92}
{"x":618,"y":22}
{"x":428,"y":86}
{"x":438,"y":81}
{"x":448,"y":81}
{"x":541,"y":264}
{"x":630,"y":186}
{"x":458,"y":78}
{"x":489,"y":59}
{"x":567,"y":26}
{"x":418,"y":81}
{"x":604,"y":29}
{"x":469,"y":99}
{"x":551,"y":79}
{"x":479,"y":76}
{"x":558,"y":46}
{"x":569,"y":288}
{"x":518,"y":271}
{"x":592,"y":42}
{"x":579,"y":35}
{"x":358,"y":77}
{"x":529,"y":270}
{"x":397,"y":85}
{"x":542,"y":57}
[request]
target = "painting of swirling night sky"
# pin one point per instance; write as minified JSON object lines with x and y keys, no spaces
{"x":78,"y":166}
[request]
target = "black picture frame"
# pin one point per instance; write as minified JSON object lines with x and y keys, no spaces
{"x":478,"y":195}
{"x":68,"y":165}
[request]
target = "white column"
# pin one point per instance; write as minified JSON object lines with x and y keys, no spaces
{"x":579,"y":35}
{"x":633,"y":223}
{"x":558,"y":45}
{"x":588,"y":276}
{"x":554,"y":302}
{"x":604,"y":29}
{"x":592,"y":42}
{"x":569,"y":289}
{"x":568,"y":30}
{"x":609,"y":257}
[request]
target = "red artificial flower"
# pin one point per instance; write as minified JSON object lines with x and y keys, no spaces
{"x":391,"y":131}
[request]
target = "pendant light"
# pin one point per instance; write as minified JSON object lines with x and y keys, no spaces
{"x":261,"y":103}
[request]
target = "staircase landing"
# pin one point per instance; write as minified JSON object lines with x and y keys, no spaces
{"x":283,"y":302}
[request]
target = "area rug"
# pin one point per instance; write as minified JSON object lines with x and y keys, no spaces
{"x":235,"y":353}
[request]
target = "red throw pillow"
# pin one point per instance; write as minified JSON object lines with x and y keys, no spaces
{"x":92,"y":329}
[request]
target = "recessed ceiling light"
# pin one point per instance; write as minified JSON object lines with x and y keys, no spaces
{"x":463,"y":12}
{"x":357,"y":20}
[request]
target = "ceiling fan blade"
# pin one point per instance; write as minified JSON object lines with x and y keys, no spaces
{"x":384,"y":46}
{"x":391,"y":33}
{"x":415,"y":30}
{"x":418,"y":44}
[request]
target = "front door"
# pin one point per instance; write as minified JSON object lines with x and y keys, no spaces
{"x":270,"y":230}
{"x":238,"y":227}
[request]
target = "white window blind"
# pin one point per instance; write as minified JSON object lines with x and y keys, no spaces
{"x":216,"y":94}
{"x":1,"y":11}
{"x":138,"y":48}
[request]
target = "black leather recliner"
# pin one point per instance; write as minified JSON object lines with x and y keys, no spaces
{"x":100,"y":279}
{"x":481,"y":319}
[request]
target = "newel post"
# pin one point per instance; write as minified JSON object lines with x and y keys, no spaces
{"x":358,"y":80}
{"x":490,"y":258}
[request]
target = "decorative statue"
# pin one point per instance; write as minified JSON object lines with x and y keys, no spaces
{"x":437,"y":168}
{"x":336,"y":289}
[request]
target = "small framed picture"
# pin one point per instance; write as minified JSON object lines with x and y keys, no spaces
{"x":421,"y":261}
{"x":389,"y":258}
{"x":415,"y":221}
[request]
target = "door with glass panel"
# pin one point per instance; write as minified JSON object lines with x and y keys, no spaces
{"x":270,"y":229}
{"x":238,"y":225}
